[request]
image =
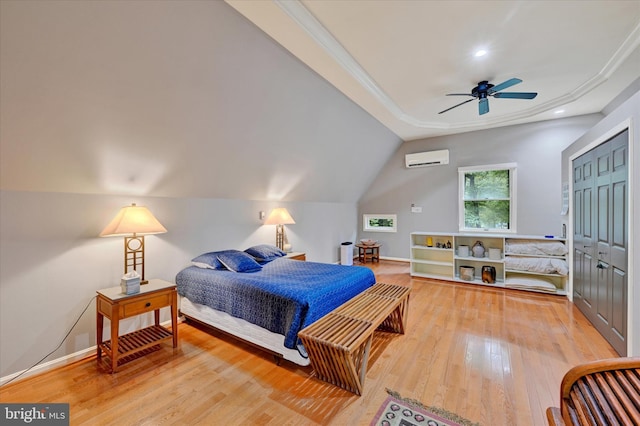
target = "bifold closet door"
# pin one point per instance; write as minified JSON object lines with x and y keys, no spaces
{"x":601,"y":238}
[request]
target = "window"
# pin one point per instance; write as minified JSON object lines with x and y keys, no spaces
{"x":487,"y":198}
{"x":379,"y":223}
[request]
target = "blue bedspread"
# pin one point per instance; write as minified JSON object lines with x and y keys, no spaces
{"x":284,"y":297}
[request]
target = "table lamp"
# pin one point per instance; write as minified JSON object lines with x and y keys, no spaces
{"x":133,"y":222}
{"x":280,"y":217}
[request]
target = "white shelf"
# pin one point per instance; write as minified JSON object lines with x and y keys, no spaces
{"x":432,"y":262}
{"x":548,"y":256}
{"x":479,"y":259}
{"x":517,"y":271}
{"x":443,"y":263}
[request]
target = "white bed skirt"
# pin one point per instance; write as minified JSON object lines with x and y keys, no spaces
{"x":242,"y":329}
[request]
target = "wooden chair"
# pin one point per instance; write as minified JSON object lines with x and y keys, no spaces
{"x":605,"y":392}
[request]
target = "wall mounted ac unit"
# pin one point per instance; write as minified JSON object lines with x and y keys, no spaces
{"x":424,"y":159}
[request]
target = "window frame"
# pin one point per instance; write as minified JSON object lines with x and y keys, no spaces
{"x":462,"y":171}
{"x":366,"y":227}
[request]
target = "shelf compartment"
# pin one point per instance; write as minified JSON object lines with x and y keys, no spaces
{"x":532,"y":281}
{"x":435,"y":255}
{"x":516,"y":271}
{"x":138,"y":341}
{"x":439,"y":270}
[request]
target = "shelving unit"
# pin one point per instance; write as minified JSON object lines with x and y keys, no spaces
{"x":430,"y":261}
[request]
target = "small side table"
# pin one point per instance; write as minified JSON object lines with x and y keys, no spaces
{"x":115,"y":305}
{"x":296,"y":256}
{"x":371,"y":252}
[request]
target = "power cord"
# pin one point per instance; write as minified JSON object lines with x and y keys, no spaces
{"x":57,"y":347}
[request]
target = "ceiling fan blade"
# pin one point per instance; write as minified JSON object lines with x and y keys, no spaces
{"x":504,"y":85}
{"x":483,"y":106}
{"x":455,"y":106}
{"x":460,"y":94}
{"x":515,"y":95}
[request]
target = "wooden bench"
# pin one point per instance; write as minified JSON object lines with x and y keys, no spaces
{"x":603,"y":392}
{"x":338,"y":344}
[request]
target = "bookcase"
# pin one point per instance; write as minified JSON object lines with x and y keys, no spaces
{"x":438,"y":255}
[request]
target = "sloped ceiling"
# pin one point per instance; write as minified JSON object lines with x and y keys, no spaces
{"x":174,"y":99}
{"x":399,"y":58}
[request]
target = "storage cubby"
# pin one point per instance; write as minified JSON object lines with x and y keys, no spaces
{"x":431,"y":257}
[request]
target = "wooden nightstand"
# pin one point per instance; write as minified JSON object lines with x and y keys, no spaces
{"x":296,"y":256}
{"x":115,"y":305}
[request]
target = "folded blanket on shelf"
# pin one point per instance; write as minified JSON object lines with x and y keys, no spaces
{"x":541,"y":265}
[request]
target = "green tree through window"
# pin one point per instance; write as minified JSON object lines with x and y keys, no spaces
{"x":486,"y":197}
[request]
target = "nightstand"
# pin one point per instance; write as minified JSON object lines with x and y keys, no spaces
{"x":296,"y":256}
{"x":115,"y":305}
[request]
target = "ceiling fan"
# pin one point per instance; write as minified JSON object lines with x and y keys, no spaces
{"x":484,"y":89}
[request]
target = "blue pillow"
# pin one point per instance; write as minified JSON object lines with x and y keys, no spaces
{"x":265,"y":252}
{"x":210,"y":260}
{"x":239,"y":261}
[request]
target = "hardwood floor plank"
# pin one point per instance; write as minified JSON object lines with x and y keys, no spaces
{"x":494,"y":356}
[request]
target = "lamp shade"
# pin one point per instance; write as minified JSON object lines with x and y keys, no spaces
{"x":137,"y":220}
{"x":279,"y":216}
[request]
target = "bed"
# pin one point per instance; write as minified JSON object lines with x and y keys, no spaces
{"x":266,"y":305}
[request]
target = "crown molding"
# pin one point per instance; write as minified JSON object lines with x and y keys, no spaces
{"x":305,"y":20}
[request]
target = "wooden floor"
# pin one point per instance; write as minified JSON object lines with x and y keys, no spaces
{"x":493,"y":356}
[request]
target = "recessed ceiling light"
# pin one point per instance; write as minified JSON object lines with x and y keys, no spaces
{"x":480,"y":53}
{"x":558,"y":111}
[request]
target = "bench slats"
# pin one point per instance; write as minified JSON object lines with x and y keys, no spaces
{"x":338,"y":344}
{"x":603,"y":392}
{"x":623,"y":406}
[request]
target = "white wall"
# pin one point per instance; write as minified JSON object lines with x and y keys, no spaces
{"x":536,"y":148}
{"x":172,"y":99}
{"x":52,"y":261}
{"x":627,"y":112}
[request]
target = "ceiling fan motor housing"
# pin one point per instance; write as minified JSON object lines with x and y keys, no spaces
{"x":480,"y":91}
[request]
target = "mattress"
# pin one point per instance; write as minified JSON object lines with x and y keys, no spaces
{"x":243,"y":329}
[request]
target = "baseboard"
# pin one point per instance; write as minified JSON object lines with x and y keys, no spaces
{"x":50,"y":365}
{"x":59,"y":362}
{"x":395,"y":259}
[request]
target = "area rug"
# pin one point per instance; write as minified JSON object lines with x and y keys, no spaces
{"x":398,"y":411}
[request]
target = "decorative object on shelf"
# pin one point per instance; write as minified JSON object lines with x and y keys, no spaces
{"x":495,"y":254}
{"x":478,"y":249}
{"x":448,"y":244}
{"x":368,"y":242}
{"x":280,"y":217}
{"x":429,"y":242}
{"x":463,"y":251}
{"x":133,"y":222}
{"x":488,"y":274}
{"x":467,"y":273}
